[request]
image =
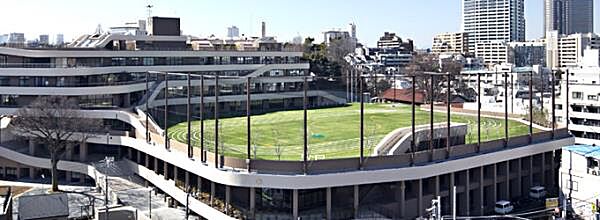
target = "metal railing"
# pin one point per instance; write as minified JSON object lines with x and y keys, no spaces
{"x":365,"y":86}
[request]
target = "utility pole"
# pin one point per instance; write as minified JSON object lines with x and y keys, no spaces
{"x":150,"y":203}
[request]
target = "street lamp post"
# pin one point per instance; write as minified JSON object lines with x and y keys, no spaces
{"x":150,"y":202}
{"x":187,"y":203}
{"x":107,"y":163}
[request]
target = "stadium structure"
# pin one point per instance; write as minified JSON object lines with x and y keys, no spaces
{"x":169,"y":100}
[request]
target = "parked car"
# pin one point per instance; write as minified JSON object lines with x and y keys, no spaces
{"x":503,"y":207}
{"x":537,"y":192}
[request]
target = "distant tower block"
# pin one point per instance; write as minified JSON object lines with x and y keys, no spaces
{"x":352,"y":30}
{"x":264,"y":29}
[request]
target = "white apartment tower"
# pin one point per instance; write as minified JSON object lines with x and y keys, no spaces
{"x":493,"y":20}
{"x":233,"y":31}
{"x":352,"y":27}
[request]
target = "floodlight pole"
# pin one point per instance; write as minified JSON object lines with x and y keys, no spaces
{"x":202,"y":152}
{"x":217,"y":120}
{"x":189,"y":116}
{"x":530,"y":107}
{"x":147,"y":107}
{"x":431,"y":119}
{"x":568,"y":106}
{"x":478,"y":112}
{"x":542,"y":92}
{"x":362,"y":120}
{"x":553,"y":104}
{"x":166,"y":111}
{"x":505,"y":109}
{"x":413,"y":142}
{"x":512,"y":93}
{"x":305,"y":124}
{"x":248,"y":122}
{"x":448,"y":117}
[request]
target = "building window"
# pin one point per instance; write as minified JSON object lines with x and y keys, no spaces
{"x":24,"y":81}
{"x":574,"y":185}
{"x":577,"y":95}
{"x":593,"y":97}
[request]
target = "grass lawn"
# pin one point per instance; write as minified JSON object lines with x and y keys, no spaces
{"x":333,"y":132}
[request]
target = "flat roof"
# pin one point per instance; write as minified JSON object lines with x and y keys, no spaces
{"x":585,"y":150}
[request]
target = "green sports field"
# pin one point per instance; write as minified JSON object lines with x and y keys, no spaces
{"x":333,"y":132}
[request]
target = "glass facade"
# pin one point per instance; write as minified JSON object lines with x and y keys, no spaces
{"x":7,"y":61}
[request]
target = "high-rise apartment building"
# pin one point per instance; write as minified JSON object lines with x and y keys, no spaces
{"x":44,"y":39}
{"x":569,"y":16}
{"x":567,"y":50}
{"x":60,"y":39}
{"x":233,"y":31}
{"x":493,"y":20}
{"x":450,"y":43}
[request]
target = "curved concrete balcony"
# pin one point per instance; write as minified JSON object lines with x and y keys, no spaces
{"x":328,"y":173}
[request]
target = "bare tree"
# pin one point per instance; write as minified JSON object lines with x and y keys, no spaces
{"x":431,"y":63}
{"x":55,"y":121}
{"x":278,"y":147}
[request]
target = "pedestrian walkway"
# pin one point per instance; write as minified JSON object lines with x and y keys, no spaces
{"x":122,"y":182}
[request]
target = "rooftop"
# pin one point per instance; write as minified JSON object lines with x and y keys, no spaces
{"x":585,"y":150}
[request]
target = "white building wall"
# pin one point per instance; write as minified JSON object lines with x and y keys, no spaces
{"x":584,"y":190}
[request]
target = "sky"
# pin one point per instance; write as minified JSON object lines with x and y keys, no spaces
{"x":419,"y":20}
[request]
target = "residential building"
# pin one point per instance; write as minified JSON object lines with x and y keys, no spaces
{"x":16,"y":39}
{"x":393,"y":41}
{"x":517,"y":79}
{"x":3,"y":39}
{"x":524,"y":54}
{"x":493,"y":20}
{"x":552,"y":41}
{"x":44,"y":40}
{"x":332,"y":35}
{"x":569,"y":16}
{"x":584,"y":93}
{"x":579,"y":179}
{"x":571,"y":48}
{"x":59,"y":40}
{"x":263,"y":29}
{"x":298,"y":40}
{"x":342,"y":39}
{"x":233,"y":32}
{"x":352,"y":28}
{"x":493,"y":52}
{"x":389,"y":57}
{"x":456,"y":43}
